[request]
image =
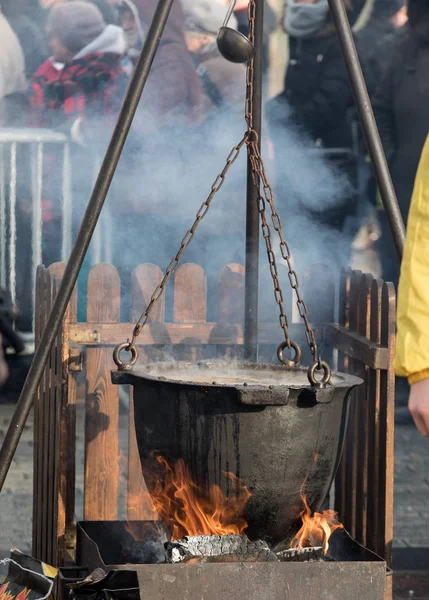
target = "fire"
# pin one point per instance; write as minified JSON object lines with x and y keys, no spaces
{"x":187,"y":511}
{"x":317,"y":529}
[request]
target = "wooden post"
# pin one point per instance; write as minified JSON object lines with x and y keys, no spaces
{"x":387,"y":419}
{"x":190,"y":306}
{"x":230,"y":306}
{"x":362,"y":408}
{"x":375,"y":467}
{"x":67,"y":430}
{"x":139,"y":505}
{"x":102,"y":402}
{"x":39,"y":439}
{"x":351,"y":450}
{"x":53,"y":440}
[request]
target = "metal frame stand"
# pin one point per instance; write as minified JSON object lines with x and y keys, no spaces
{"x":107,"y":172}
{"x":84,"y":236}
{"x":251,"y":283}
{"x":369,"y":126}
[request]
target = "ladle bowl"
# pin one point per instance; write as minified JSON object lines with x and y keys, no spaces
{"x":234,"y":46}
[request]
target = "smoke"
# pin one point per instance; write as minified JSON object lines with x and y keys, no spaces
{"x":166,"y":173}
{"x":172,"y":176}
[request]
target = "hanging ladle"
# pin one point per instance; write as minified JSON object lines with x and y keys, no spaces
{"x":233,"y":45}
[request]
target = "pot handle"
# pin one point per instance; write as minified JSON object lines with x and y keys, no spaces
{"x":254,"y":396}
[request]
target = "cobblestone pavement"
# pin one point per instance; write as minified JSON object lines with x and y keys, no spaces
{"x":411,"y":510}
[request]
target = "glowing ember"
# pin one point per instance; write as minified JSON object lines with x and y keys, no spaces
{"x":317,"y":529}
{"x":187,"y":512}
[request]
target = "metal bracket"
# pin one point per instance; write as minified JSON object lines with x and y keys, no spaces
{"x":70,"y":536}
{"x":86,"y":337}
{"x":75,"y":362}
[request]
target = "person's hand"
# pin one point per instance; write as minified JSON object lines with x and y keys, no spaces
{"x":418,"y":404}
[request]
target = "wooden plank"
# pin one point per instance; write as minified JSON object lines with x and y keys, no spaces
{"x":351,"y":450}
{"x":227,"y":334}
{"x":372,"y":540}
{"x":387,"y":419}
{"x":363,"y":413}
{"x":38,"y":413}
{"x":57,"y":515}
{"x":190,"y":294}
{"x":190,"y":306}
{"x":357,"y":346}
{"x":343,"y":319}
{"x":102,"y":402}
{"x":67,"y":391}
{"x":389,"y":589}
{"x":45,"y":433}
{"x":144,"y":281}
{"x":139,"y":506}
{"x":230,"y":304}
{"x":93,"y":334}
{"x":49,"y":420}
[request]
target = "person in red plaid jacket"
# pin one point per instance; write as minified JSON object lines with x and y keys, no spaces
{"x":82,"y":85}
{"x":79,"y":92}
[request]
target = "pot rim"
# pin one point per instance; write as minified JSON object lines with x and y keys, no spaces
{"x":143,"y":373}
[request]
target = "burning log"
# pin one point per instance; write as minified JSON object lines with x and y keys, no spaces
{"x":301,"y":554}
{"x":218,"y":548}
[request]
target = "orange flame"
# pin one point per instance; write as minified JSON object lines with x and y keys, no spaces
{"x":186,"y":511}
{"x":317,"y":529}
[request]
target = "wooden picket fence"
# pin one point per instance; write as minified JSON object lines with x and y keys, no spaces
{"x":362,"y":338}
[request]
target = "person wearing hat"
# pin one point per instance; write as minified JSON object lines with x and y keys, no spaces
{"x":84,"y":77}
{"x":224,"y":81}
{"x":79,"y":92}
{"x":133,"y":29}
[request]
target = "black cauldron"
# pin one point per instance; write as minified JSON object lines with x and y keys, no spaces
{"x":263,"y":423}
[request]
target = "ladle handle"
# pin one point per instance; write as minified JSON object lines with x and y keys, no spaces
{"x":229,"y":13}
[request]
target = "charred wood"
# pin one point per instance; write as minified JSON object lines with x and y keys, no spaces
{"x":218,"y":548}
{"x":301,"y":555}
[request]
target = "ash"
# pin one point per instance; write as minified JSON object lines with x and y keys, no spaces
{"x":301,"y":555}
{"x":218,"y":548}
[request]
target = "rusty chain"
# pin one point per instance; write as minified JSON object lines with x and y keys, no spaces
{"x":129,"y":346}
{"x":259,"y":176}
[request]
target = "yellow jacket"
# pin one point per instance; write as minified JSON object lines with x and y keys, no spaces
{"x":412,"y":345}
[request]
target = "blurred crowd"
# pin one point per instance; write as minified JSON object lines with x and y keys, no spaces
{"x":65,"y":65}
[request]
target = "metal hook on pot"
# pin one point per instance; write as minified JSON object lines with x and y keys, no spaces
{"x":319,"y":365}
{"x":293,"y":346}
{"x":233,"y":45}
{"x":128,"y":347}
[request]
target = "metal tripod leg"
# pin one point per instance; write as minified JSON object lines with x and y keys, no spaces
{"x":369,"y":126}
{"x":84,"y":236}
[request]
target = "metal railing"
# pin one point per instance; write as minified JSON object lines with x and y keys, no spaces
{"x":24,"y":171}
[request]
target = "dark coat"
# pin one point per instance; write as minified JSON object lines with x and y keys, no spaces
{"x":402,"y":110}
{"x":174,"y":94}
{"x":318,"y":91}
{"x":375,"y":44}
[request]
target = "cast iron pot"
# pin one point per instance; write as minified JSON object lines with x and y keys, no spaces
{"x":263,"y":423}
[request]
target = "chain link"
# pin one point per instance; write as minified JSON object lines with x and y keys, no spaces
{"x":259,"y":177}
{"x":172,"y":267}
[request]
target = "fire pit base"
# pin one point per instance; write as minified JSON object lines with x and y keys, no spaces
{"x":353,"y":573}
{"x":264,"y":581}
